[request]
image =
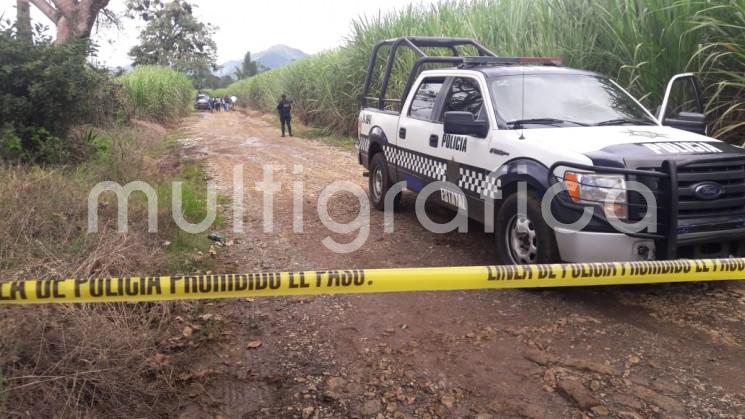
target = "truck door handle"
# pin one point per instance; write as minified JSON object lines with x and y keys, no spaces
{"x":402,"y":133}
{"x":433,"y":140}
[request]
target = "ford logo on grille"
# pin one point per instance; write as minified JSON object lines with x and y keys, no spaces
{"x":707,"y":190}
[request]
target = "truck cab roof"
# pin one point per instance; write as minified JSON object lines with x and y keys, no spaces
{"x":501,"y":70}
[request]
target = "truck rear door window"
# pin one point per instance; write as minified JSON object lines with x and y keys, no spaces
{"x":425,"y":99}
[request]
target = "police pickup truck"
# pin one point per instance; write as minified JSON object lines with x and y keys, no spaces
{"x":561,"y":164}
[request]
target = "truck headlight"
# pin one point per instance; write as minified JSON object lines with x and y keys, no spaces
{"x":608,"y":191}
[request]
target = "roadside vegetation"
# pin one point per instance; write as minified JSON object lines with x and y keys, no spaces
{"x":640,"y":43}
{"x":158,"y":93}
{"x":64,"y":127}
{"x":108,"y":360}
{"x":46,"y":90}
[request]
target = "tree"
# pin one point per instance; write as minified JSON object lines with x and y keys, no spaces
{"x":74,"y":18}
{"x":173,"y":37}
{"x":249,"y":68}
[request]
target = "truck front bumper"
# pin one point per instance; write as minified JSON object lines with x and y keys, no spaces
{"x":687,"y":226}
{"x":586,"y":247}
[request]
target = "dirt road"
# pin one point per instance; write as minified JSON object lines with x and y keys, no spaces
{"x":635,"y":351}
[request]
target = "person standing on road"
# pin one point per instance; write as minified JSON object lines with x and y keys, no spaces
{"x":284,"y":107}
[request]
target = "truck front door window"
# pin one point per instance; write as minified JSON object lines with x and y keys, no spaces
{"x":683,"y":98}
{"x":465,"y":96}
{"x":564,"y":100}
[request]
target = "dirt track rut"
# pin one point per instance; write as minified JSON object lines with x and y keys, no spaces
{"x":635,"y":351}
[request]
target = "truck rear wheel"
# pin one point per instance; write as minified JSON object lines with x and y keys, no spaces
{"x":524,"y":239}
{"x":380,"y":183}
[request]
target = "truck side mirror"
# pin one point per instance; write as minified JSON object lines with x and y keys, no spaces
{"x":464,"y":123}
{"x":682,"y":106}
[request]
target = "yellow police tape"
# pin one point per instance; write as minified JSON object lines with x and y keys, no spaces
{"x":161,"y":288}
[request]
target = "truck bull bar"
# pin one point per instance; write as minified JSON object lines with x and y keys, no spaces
{"x":666,"y":182}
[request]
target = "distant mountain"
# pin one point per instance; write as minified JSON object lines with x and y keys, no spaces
{"x":279,"y":55}
{"x":274,"y":57}
{"x":228,"y":67}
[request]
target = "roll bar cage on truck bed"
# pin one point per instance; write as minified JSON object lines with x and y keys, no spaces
{"x":416,"y":44}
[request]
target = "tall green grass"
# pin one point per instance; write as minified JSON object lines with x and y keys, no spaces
{"x":640,"y":43}
{"x":722,"y":60}
{"x":158,"y":93}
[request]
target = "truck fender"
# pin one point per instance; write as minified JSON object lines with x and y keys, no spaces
{"x":376,"y":142}
{"x":531,"y":171}
{"x":377,"y":138}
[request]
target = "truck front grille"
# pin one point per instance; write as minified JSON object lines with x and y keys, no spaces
{"x":729,"y":174}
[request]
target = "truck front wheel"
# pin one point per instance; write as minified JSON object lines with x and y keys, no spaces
{"x":380,"y":183}
{"x":524,"y":239}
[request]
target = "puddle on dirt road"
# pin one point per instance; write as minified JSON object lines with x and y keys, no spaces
{"x":193,"y":147}
{"x":253,"y":142}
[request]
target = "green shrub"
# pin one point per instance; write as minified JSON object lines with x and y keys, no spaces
{"x":158,"y":93}
{"x":640,"y":43}
{"x":45,"y":89}
{"x":11,"y":145}
{"x":107,"y":105}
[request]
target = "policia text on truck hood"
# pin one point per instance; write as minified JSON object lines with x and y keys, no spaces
{"x":563,"y":164}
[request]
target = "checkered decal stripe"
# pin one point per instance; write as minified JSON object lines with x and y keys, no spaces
{"x":390,"y":154}
{"x":364,"y":144}
{"x":478,"y":182}
{"x":416,"y":163}
{"x":490,"y":188}
{"x":470,"y":180}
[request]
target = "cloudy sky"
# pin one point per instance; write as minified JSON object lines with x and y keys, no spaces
{"x":310,"y":25}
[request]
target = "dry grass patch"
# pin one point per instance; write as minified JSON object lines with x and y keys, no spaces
{"x":110,"y":360}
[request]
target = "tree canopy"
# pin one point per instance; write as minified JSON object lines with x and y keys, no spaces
{"x":173,"y":37}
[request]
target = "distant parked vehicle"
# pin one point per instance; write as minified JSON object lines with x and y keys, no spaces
{"x":202,"y":102}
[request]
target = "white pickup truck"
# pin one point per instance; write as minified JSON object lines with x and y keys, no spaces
{"x":485,"y":133}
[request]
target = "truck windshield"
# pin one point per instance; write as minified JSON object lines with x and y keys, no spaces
{"x":563,"y":100}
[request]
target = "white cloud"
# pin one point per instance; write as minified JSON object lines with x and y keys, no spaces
{"x":310,"y":25}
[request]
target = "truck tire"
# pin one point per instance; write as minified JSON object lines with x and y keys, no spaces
{"x":524,"y":239}
{"x":380,"y":183}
